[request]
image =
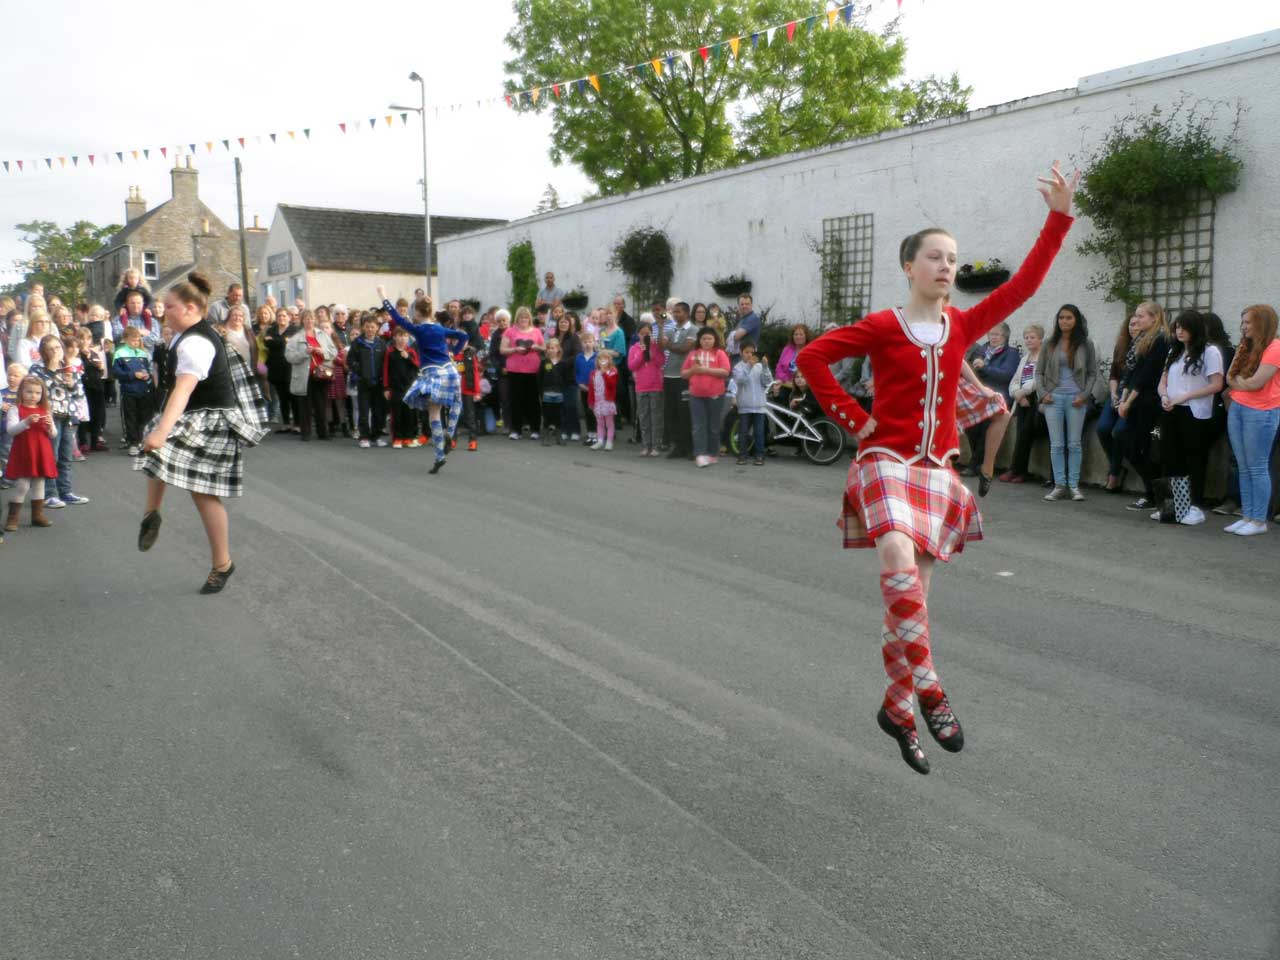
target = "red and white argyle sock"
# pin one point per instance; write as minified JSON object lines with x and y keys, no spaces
{"x":905,"y":645}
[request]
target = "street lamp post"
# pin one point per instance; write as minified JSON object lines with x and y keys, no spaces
{"x":421,"y":111}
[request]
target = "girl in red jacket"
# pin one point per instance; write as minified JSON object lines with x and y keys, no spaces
{"x":902,"y":497}
{"x":602,"y":392}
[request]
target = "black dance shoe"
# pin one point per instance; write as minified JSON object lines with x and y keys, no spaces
{"x":943,"y":725}
{"x":149,"y":530}
{"x":217,"y":579}
{"x":908,"y":742}
{"x":984,"y":484}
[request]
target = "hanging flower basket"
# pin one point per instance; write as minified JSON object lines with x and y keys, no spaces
{"x":574,"y":300}
{"x":981,"y":276}
{"x":731,"y":286}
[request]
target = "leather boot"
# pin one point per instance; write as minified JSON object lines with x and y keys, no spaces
{"x":11,"y":524}
{"x":38,"y":519}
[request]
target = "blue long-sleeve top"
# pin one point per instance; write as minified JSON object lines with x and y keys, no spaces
{"x":432,"y":338}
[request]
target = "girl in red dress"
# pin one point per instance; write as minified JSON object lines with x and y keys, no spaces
{"x":31,"y":461}
{"x":902,"y":496}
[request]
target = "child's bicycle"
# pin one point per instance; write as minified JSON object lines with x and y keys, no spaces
{"x":821,"y":440}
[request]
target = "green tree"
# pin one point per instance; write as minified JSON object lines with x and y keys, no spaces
{"x":57,"y":255}
{"x":936,"y":97}
{"x":713,"y":112}
{"x":550,"y":200}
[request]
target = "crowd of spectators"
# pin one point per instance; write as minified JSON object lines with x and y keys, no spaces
{"x":672,"y":382}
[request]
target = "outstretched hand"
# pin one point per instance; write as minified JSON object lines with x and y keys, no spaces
{"x":382,"y":293}
{"x":1058,"y":190}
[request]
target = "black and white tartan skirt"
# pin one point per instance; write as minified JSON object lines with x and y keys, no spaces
{"x":204,"y":452}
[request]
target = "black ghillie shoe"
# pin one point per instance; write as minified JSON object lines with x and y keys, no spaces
{"x":217,"y":579}
{"x":435,"y":467}
{"x":984,"y":484}
{"x":908,"y":742}
{"x":149,"y":530}
{"x":943,"y":725}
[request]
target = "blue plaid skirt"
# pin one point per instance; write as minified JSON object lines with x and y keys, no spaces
{"x":436,"y":384}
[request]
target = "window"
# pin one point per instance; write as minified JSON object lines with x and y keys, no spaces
{"x":846,"y":267}
{"x":296,"y":283}
{"x":266,"y":292}
{"x":151,"y":265}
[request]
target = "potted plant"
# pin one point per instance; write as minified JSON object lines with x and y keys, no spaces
{"x":575,"y":299}
{"x":982,"y":275}
{"x":734,"y":285}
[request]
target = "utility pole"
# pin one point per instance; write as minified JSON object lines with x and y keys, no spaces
{"x":244,"y":255}
{"x":421,"y":111}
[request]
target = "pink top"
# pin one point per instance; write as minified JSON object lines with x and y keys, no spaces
{"x":523,"y":362}
{"x":701,"y":384}
{"x":1266,"y":397}
{"x":648,"y":372}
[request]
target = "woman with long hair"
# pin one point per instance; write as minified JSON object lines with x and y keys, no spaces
{"x":1140,"y":403}
{"x":1065,"y":375}
{"x":1111,"y":426}
{"x":196,"y":443}
{"x":1254,"y":415}
{"x":902,"y":497}
{"x":1192,"y":378}
{"x":280,"y":372}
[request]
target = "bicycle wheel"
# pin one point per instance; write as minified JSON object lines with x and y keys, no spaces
{"x":831,"y":446}
{"x":731,"y":442}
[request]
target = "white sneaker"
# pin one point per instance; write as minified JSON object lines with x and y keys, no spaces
{"x":535,"y":435}
{"x":598,"y":445}
{"x":53,"y":503}
{"x":134,"y":451}
{"x":380,"y":442}
{"x":576,"y":437}
{"x":364,"y":444}
{"x":1076,"y":495}
{"x":1233,"y":527}
{"x":1194,"y":517}
{"x":608,"y":444}
{"x":701,"y":460}
{"x":514,"y":436}
{"x":1251,"y":528}
{"x":1156,"y":515}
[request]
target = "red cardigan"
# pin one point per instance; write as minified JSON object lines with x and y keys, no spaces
{"x":915,"y":383}
{"x":610,"y":386}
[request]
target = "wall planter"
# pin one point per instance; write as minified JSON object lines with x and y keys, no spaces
{"x":731,"y":286}
{"x":575,"y":300}
{"x":981,"y":276}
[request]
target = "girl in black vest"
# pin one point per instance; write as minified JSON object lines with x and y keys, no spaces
{"x":195,"y":443}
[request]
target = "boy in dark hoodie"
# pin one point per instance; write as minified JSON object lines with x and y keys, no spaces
{"x":366,"y":358}
{"x":400,"y":369}
{"x":133,"y":370}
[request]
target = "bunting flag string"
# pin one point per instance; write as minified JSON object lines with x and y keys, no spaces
{"x":665,"y":66}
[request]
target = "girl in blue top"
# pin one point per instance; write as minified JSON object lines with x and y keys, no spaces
{"x":438,"y":384}
{"x":584,"y":365}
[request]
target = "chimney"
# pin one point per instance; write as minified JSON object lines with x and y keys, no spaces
{"x":135,"y":206}
{"x":256,"y":225}
{"x":204,"y":226}
{"x":185,"y":182}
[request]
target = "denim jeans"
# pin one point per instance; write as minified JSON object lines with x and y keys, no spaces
{"x":748,"y":424}
{"x":1252,"y":433}
{"x":705,"y":413}
{"x":63,"y":450}
{"x":1110,"y":430}
{"x":1065,"y":422}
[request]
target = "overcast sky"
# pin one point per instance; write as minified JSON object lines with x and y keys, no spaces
{"x":81,"y":77}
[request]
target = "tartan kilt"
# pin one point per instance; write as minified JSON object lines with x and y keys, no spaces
{"x":438,"y":384}
{"x":203,"y":454}
{"x":926,"y":502}
{"x":973,"y":406}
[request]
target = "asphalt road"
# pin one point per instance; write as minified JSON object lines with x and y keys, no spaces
{"x":563,"y":704}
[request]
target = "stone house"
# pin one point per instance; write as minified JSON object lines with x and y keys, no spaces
{"x":327,"y":255}
{"x":170,"y":240}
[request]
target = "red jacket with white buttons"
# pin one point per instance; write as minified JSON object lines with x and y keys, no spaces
{"x":915,"y":382}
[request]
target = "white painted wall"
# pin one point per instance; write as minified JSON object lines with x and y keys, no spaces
{"x":974,"y":175}
{"x":357,"y":289}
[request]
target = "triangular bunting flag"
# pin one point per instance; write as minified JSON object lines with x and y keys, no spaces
{"x":373,"y":123}
{"x":209,"y":145}
{"x":703,"y":52}
{"x":404,"y":117}
{"x":240,"y":140}
{"x":594,"y":81}
{"x":119,"y":156}
{"x":582,"y":85}
{"x":192,"y":146}
{"x":306,"y":132}
{"x":811,"y":22}
{"x":6,"y":165}
{"x":768,"y":36}
{"x":226,"y":144}
{"x":657,"y":66}
{"x":146,"y":153}
{"x":507,"y":97}
{"x":388,"y":118}
{"x":791,"y":31}
{"x":91,"y":159}
{"x":831,"y":18}
{"x":688,"y":60}
{"x":62,"y":162}
{"x":848,"y":13}
{"x":342,"y":127}
{"x":164,"y":152}
{"x":755,"y":40}
{"x":48,"y":162}
{"x":272,"y":136}
{"x":135,"y":154}
{"x":19,"y":166}
{"x":671,"y":64}
{"x":534,"y":94}
{"x":293,"y":134}
{"x":555,"y":88}
{"x":733,"y":44}
{"x":717,"y":50}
